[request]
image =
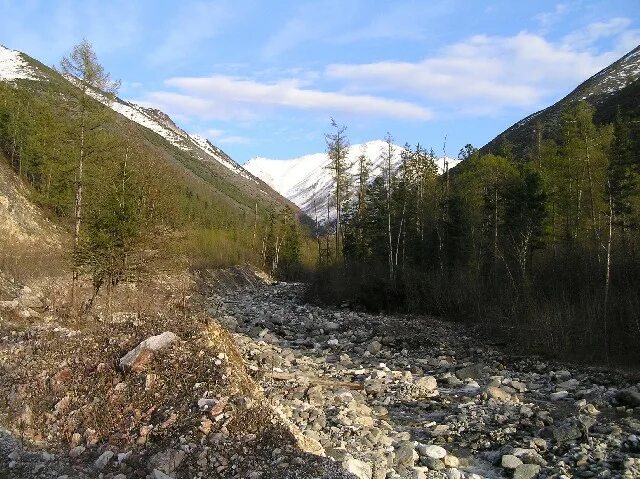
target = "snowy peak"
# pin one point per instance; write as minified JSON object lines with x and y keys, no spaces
{"x":14,"y":67}
{"x":307,"y":180}
{"x":613,"y":78}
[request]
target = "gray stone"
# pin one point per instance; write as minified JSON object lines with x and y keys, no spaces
{"x":166,"y":461}
{"x":434,"y":464}
{"x":567,"y":432}
{"x":526,"y":471}
{"x":475,"y":371}
{"x":374,"y":347}
{"x":558,"y":395}
{"x":406,"y":455}
{"x":103,"y":460}
{"x":509,"y":461}
{"x":569,"y":384}
{"x":76,"y":451}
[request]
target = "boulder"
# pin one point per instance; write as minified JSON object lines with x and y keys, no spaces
{"x":138,"y":357}
{"x":432,"y":451}
{"x":166,"y":461}
{"x":358,"y":468}
{"x":526,"y":471}
{"x":509,"y":461}
{"x":474,"y":371}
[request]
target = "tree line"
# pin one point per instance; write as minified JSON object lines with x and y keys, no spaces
{"x":542,"y":250}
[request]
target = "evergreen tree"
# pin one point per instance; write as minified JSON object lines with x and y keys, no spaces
{"x":82,"y":67}
{"x":338,"y":151}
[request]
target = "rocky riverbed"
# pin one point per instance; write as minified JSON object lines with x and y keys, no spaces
{"x":296,"y":391}
{"x":417,"y":397}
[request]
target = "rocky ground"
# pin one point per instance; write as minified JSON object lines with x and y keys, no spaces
{"x":157,"y":390}
{"x":392,"y":396}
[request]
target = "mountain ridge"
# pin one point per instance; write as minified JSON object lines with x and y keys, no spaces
{"x":615,"y":85}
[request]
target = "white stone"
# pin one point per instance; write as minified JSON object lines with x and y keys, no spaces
{"x":358,"y":468}
{"x":432,"y":451}
{"x":133,"y":358}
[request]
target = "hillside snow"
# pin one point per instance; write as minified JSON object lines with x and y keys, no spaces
{"x":13,"y":67}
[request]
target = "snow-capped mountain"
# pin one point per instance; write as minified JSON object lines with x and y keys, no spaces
{"x":307,"y":180}
{"x":13,"y":66}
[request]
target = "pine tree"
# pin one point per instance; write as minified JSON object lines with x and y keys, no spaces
{"x":338,"y":151}
{"x":388,"y":174}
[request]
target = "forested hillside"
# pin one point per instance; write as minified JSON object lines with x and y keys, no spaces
{"x":614,"y":89}
{"x":542,"y":250}
{"x":123,"y":190}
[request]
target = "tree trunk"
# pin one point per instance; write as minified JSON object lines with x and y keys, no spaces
{"x":78,"y":200}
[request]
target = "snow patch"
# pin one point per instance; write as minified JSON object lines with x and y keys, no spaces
{"x":13,"y":67}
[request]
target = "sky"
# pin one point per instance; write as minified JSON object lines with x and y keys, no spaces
{"x":264,"y":78}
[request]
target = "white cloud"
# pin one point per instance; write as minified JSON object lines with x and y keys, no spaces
{"x":480,"y":76}
{"x":586,"y":37}
{"x":488,"y":73}
{"x":231,"y":97}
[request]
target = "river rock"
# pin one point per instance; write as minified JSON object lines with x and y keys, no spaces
{"x":432,"y":451}
{"x":509,"y":461}
{"x":138,"y":357}
{"x":526,"y":471}
{"x":358,"y":468}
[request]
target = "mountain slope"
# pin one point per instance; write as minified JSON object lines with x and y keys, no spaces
{"x":307,"y":180}
{"x":204,"y":168}
{"x":22,"y":225}
{"x":618,"y":85}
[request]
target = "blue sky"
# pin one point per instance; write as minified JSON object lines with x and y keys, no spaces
{"x":264,"y":77}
